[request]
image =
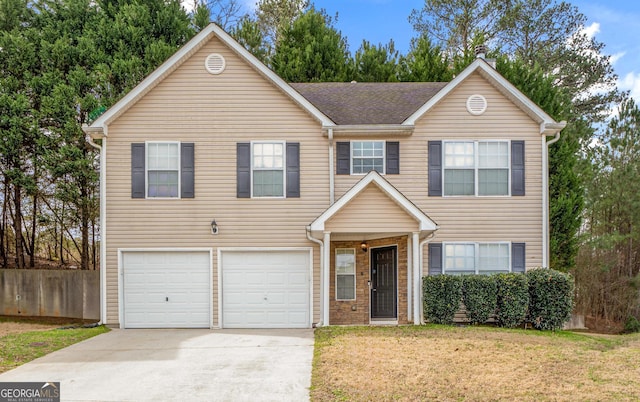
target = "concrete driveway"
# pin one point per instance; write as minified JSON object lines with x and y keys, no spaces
{"x":179,"y":364}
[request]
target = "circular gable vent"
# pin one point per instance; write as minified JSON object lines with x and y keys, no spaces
{"x":476,"y":104}
{"x":215,"y":63}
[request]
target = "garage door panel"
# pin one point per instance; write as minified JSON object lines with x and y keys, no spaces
{"x":265,"y":289}
{"x":166,"y":289}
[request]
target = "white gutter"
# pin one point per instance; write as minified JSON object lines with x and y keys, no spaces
{"x":545,"y":198}
{"x":103,"y":227}
{"x":322,"y":282}
{"x":417,"y":310}
{"x":332,"y":195}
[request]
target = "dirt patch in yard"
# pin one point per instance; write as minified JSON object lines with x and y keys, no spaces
{"x":471,"y":363}
{"x":18,"y":325}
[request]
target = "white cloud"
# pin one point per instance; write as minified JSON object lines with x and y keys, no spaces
{"x":188,"y":5}
{"x":616,"y":57}
{"x":631,"y":83}
{"x":592,"y":29}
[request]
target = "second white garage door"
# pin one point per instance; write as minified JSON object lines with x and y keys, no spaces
{"x":265,"y":289}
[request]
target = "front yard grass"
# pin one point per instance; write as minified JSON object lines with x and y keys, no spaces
{"x":17,"y":347}
{"x":434,"y":362}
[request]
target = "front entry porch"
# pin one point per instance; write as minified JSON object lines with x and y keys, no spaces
{"x":371,"y":264}
{"x":380,"y":282}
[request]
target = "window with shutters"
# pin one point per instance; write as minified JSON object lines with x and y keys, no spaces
{"x":476,"y":258}
{"x":479,"y":168}
{"x":361,"y":157}
{"x":345,"y":274}
{"x":163,"y":169}
{"x":367,"y":156}
{"x":267,"y":168}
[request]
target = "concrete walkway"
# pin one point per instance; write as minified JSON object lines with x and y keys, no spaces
{"x":179,"y":365}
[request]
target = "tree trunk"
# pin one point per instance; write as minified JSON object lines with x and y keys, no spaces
{"x":84,"y":226}
{"x":17,"y":226}
{"x":34,"y":222}
{"x":4,"y":242}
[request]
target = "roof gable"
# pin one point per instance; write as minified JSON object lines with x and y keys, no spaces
{"x":374,"y":178}
{"x":547,"y":124}
{"x":178,"y":58}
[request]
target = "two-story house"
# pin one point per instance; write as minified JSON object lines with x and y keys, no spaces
{"x":232,"y":199}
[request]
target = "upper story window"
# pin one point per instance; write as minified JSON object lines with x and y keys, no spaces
{"x":367,"y":156}
{"x":268,"y":169}
{"x":476,"y":258}
{"x":268,"y":161}
{"x":163,"y":169}
{"x":476,"y":168}
{"x":361,"y":157}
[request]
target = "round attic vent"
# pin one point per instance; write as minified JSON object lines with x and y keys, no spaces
{"x":476,"y":104}
{"x":215,"y":63}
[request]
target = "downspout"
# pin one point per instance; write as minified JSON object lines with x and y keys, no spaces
{"x":103,"y":227}
{"x":545,"y":201}
{"x":418,"y":280}
{"x":322,"y":284}
{"x":332,"y":195}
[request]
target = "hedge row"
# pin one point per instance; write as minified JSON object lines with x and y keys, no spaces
{"x":542,"y":297}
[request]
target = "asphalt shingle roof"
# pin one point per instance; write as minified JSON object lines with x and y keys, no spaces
{"x":368,"y":102}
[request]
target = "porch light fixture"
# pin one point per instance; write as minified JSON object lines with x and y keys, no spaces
{"x":364,"y":246}
{"x":214,"y":227}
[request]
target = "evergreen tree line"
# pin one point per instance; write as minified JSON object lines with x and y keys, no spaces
{"x":64,"y":61}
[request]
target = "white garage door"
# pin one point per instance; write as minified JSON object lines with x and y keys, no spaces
{"x":265,"y":289}
{"x":166,"y":289}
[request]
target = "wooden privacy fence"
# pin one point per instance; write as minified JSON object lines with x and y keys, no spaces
{"x":50,"y":293}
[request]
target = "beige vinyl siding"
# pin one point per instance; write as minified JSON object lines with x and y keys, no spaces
{"x":215,"y":112}
{"x":371,"y":211}
{"x":516,"y":219}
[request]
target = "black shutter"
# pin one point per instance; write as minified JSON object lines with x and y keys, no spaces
{"x":393,"y":157}
{"x":517,"y":168}
{"x":243,"y":170}
{"x":293,"y":170}
{"x":435,"y":258}
{"x":518,"y":254}
{"x":137,"y":170}
{"x":435,"y":168}
{"x":343,"y":158}
{"x":187,"y":170}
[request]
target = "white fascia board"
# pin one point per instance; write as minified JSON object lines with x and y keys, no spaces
{"x":181,"y":55}
{"x":372,"y":129}
{"x":425,"y":223}
{"x":499,"y":81}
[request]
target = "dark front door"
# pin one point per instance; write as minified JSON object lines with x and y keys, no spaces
{"x":383,"y":283}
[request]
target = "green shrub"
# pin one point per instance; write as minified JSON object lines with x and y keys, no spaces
{"x":512,"y":299}
{"x":550,"y":298}
{"x":442,"y":296}
{"x":479,"y":294}
{"x":631,"y":325}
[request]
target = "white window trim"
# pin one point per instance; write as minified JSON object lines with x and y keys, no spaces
{"x":384,"y":157}
{"x":355,"y":287}
{"x":284,"y":169}
{"x":146,"y":170}
{"x":476,"y":254}
{"x":476,"y":168}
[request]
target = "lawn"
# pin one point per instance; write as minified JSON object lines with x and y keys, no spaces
{"x":21,"y":342}
{"x":445,"y":363}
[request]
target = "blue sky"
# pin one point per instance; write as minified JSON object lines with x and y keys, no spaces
{"x":616,"y":23}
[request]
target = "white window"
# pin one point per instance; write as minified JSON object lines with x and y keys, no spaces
{"x":477,"y":258}
{"x":267,"y":171}
{"x":163,"y":169}
{"x":367,"y":156}
{"x":345,"y":274}
{"x":476,"y":168}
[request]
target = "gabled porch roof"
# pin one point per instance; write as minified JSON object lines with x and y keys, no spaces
{"x":424,"y":224}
